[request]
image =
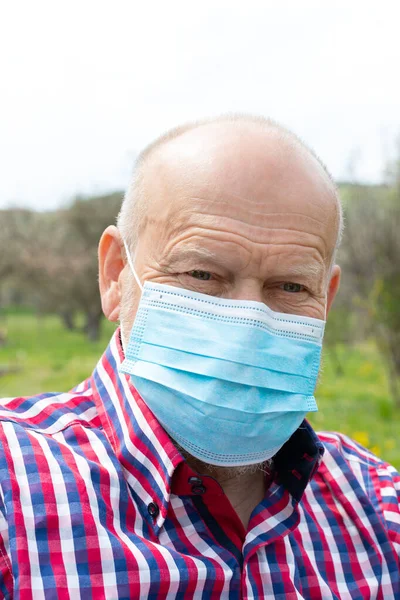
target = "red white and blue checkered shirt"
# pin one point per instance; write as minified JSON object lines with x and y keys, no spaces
{"x":97,"y":502}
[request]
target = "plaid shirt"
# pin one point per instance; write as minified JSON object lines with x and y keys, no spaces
{"x":96,"y":502}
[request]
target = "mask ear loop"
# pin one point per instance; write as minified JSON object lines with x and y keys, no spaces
{"x":130,"y":262}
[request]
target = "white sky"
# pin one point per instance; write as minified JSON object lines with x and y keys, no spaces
{"x":86,"y":84}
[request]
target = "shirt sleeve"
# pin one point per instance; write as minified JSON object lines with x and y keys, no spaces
{"x":6,"y":577}
{"x":389,"y":491}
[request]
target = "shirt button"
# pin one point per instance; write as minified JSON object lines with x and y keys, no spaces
{"x":197,"y":486}
{"x":198,"y":490}
{"x":153,"y":510}
{"x":195,"y":481}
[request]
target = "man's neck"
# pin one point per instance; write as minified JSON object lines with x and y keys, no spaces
{"x":244,"y":487}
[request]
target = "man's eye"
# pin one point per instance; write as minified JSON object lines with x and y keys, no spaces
{"x":293,"y":288}
{"x":202,"y":275}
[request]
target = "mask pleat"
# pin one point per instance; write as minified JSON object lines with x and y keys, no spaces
{"x":227,"y":394}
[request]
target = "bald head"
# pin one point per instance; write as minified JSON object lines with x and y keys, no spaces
{"x":239,"y":147}
{"x":235,"y":207}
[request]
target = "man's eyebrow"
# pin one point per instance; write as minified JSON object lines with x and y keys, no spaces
{"x":187,"y":253}
{"x":311,"y":270}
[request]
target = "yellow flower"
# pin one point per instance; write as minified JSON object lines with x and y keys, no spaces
{"x":366,"y":368}
{"x":361,"y":437}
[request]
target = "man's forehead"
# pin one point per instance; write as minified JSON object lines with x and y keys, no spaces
{"x":256,"y":172}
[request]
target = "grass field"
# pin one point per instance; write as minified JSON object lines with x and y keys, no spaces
{"x":49,"y":358}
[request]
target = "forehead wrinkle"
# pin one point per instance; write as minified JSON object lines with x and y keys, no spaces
{"x":244,"y":210}
{"x":227,"y":199}
{"x":243,"y":238}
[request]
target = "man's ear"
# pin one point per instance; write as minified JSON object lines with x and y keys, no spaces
{"x":333,"y":286}
{"x":111,"y":265}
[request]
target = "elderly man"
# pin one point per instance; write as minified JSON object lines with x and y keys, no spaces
{"x":184,"y":467}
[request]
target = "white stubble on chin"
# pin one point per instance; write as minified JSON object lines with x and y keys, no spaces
{"x":223,"y":473}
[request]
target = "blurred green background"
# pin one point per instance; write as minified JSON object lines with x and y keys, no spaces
{"x":52,"y":331}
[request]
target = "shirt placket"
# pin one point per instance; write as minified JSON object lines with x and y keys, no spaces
{"x":265,"y":572}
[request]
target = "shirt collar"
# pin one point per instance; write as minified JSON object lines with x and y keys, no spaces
{"x":147,"y":454}
{"x":298,"y":460}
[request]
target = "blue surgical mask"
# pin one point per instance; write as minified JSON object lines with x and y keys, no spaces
{"x":229,"y":380}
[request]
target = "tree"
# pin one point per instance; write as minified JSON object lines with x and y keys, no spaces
{"x":51,"y":258}
{"x":85,"y":221}
{"x":372,"y":250}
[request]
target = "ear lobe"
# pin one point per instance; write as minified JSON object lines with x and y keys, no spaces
{"x":333,"y":286}
{"x":111,"y":265}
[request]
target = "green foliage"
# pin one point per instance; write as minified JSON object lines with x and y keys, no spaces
{"x":47,"y":356}
{"x":371,"y":261}
{"x":357,"y":402}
